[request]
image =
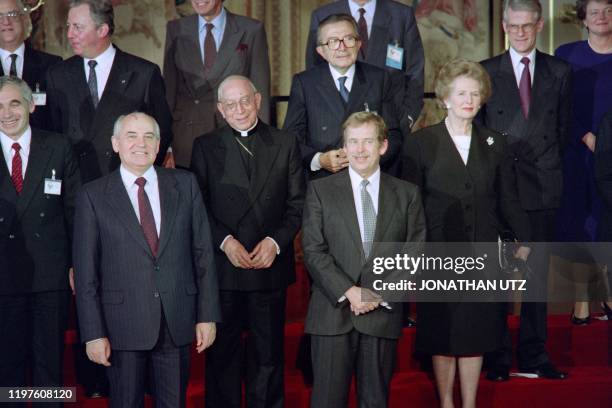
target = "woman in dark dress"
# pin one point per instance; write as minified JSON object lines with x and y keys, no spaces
{"x":469,"y":195}
{"x":591,"y":62}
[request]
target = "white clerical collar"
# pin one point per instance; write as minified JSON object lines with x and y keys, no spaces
{"x":248,"y":132}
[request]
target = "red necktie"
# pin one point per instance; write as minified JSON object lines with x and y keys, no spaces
{"x":17,"y":174}
{"x":147,"y":221}
{"x":210,"y":49}
{"x":363,"y":32}
{"x":525,"y":87}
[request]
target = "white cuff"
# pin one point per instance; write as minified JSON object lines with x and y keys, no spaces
{"x":275,"y":244}
{"x":315,"y":164}
{"x":223,"y":242}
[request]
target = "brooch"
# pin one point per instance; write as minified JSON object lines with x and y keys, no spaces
{"x":490,"y":140}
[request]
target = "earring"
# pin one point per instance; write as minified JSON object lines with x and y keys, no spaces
{"x":448,"y":106}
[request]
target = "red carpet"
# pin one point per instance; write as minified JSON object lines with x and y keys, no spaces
{"x":586,"y":352}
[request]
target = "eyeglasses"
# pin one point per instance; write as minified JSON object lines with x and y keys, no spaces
{"x":11,"y":14}
{"x":607,"y":12}
{"x":231,"y":106}
{"x":334,"y":43}
{"x":526,"y":28}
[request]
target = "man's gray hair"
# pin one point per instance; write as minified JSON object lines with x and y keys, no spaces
{"x":119,"y":123}
{"x":523,"y":5}
{"x":231,"y":78}
{"x":101,"y":12}
{"x":24,"y":89}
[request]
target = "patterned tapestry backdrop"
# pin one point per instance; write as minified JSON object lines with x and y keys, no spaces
{"x":449,"y":28}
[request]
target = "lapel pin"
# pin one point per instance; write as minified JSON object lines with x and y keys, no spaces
{"x":366,"y":107}
{"x":490,"y":140}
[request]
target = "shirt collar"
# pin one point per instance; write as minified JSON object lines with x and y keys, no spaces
{"x":349,"y":74}
{"x":516,"y":57}
{"x":248,"y":132}
{"x":356,"y":178}
{"x":105,"y":59}
{"x":129,"y":178}
{"x":20,"y":51}
{"x":218,"y":22}
{"x":25,"y":140}
{"x":369,"y":7}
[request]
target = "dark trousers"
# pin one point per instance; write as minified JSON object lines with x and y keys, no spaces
{"x":32,"y":339}
{"x":263,"y":313}
{"x":335,"y":358}
{"x":169,"y":368}
{"x":531,"y":349}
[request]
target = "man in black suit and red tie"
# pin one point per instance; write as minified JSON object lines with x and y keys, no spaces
{"x":38,"y":183}
{"x":86,"y":94}
{"x":531,"y":107}
{"x":19,"y":59}
{"x":145,"y":276}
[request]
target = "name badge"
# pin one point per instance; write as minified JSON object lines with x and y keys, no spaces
{"x":40,"y":98}
{"x":395,"y":56}
{"x":52,"y":185}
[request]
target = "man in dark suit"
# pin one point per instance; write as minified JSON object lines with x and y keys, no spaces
{"x":531,"y":107}
{"x":322,"y":97}
{"x":151,"y":222}
{"x":253,"y":184}
{"x":87,"y":92}
{"x":345,"y":217}
{"x":19,"y":59}
{"x":38,"y":182}
{"x":389,"y":39}
{"x":202,"y":50}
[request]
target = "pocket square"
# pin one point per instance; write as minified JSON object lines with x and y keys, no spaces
{"x":242,"y":47}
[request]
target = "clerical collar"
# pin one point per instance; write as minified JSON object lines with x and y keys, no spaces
{"x":244,"y":133}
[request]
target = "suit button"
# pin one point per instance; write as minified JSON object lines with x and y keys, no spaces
{"x":11,"y":236}
{"x":516,"y":158}
{"x":107,"y":153}
{"x":42,"y":214}
{"x":197,"y":101}
{"x":36,"y":235}
{"x":500,"y":111}
{"x":1,"y":219}
{"x":156,"y":268}
{"x":156,"y":294}
{"x":468,"y":186}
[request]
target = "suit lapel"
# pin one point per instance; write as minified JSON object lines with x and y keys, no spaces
{"x":344,"y":201}
{"x":75,"y":75}
{"x":30,"y":66}
{"x":265,"y":153}
{"x":448,"y":150}
{"x":190,"y":46}
{"x":38,"y":158}
{"x":118,"y":81}
{"x":329,"y":93}
{"x":117,"y":197}
{"x":229,"y":45}
{"x":359,"y":91}
{"x":507,"y":83}
{"x":477,"y":158}
{"x":169,"y":202}
{"x":387,"y":203}
{"x":7,"y":188}
{"x":541,"y":83}
{"x":379,"y":34}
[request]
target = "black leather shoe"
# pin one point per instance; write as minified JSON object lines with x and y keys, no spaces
{"x":580,"y":321}
{"x":607,"y":310}
{"x":498,"y":374}
{"x":96,"y":391}
{"x":547,"y":370}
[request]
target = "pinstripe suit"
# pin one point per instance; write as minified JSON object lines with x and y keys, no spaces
{"x":141,"y":302}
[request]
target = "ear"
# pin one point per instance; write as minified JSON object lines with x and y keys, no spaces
{"x":540,"y":25}
{"x":32,"y":107}
{"x":220,"y":109}
{"x":257,"y":101}
{"x":103,"y":30}
{"x":505,"y":26}
{"x":383,"y":147}
{"x":320,"y":52}
{"x":115,"y":144}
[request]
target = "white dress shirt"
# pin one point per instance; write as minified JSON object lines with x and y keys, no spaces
{"x":315,"y":164}
{"x":218,"y":30}
{"x":369,"y":8}
{"x":518,"y":66}
{"x":5,"y":56}
{"x":151,"y":188}
{"x":103,"y":69}
{"x":7,"y":150}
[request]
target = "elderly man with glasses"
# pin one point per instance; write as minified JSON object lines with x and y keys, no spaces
{"x":323,"y":96}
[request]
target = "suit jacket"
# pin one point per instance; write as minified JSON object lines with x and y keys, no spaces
{"x":35,"y":66}
{"x":121,"y":288}
{"x":393,"y":24}
{"x":333,"y":251}
{"x":603,"y":175}
{"x":191,"y":95}
{"x":536,"y":144}
{"x":36,"y":227}
{"x":476,"y":202}
{"x":268,"y":203}
{"x":134,"y":84}
{"x":316,"y":111}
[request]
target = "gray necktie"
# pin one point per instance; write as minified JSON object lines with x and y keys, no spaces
{"x":344,"y":93}
{"x":369,"y":218}
{"x":13,"y":68}
{"x":92,"y":82}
